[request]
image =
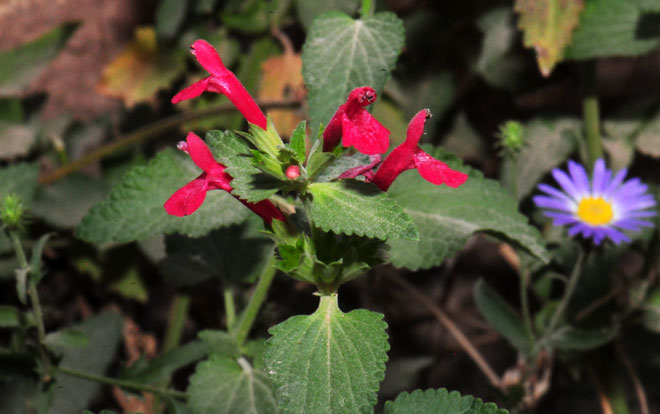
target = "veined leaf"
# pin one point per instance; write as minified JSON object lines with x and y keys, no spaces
{"x":328,"y":362}
{"x":342,"y":53}
{"x":547,"y":26}
{"x":134,"y":209}
{"x":355,"y":207}
{"x":439,"y":401}
{"x":447,"y":217}
{"x":223,"y":385}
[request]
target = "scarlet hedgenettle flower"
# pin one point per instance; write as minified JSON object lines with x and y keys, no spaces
{"x":409,"y":155}
{"x":600,"y":208}
{"x":223,"y":81}
{"x":187,"y":199}
{"x":356,"y":126}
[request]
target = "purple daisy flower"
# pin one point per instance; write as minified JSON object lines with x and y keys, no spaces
{"x":598,"y":209}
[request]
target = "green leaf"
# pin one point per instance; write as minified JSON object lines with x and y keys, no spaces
{"x":354,"y":207}
{"x":19,"y":179}
{"x":66,"y":338}
{"x":169,"y":16}
{"x":134,"y":210}
{"x":222,"y":385}
{"x":548,"y":144}
{"x":74,"y":394}
{"x":568,"y":338}
{"x":64,"y":203}
{"x":20,"y":65}
{"x":340,"y":165}
{"x":615,"y":28}
{"x":35,"y":259}
{"x":501,"y":316}
{"x":308,"y":10}
{"x":220,"y":342}
{"x":317,"y":162}
{"x":547,"y":26}
{"x":163,"y":366}
{"x":248,"y":182}
{"x":447,"y":217}
{"x":297,"y":142}
{"x":9,"y":316}
{"x":232,"y":254}
{"x":327,"y":362}
{"x":439,"y":401}
{"x":341,"y":53}
{"x":648,"y":140}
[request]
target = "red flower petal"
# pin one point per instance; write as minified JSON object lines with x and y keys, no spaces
{"x":208,"y":57}
{"x":192,"y":91}
{"x":437,"y":172}
{"x":266,"y":210}
{"x":366,"y":134}
{"x":200,"y":153}
{"x":416,"y":128}
{"x":188,"y":198}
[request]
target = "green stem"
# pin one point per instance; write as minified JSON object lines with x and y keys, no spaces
{"x":513,"y":162}
{"x":176,"y":322}
{"x":151,"y":130}
{"x":257,"y":299}
{"x":230,"y":307}
{"x":130,"y":385}
{"x":34,"y":301}
{"x":367,"y":8}
{"x":590,"y":111}
{"x":524,"y":304}
{"x":570,"y":288}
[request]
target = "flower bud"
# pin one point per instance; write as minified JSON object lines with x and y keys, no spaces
{"x":292,"y":172}
{"x":512,"y":136}
{"x":11,"y":211}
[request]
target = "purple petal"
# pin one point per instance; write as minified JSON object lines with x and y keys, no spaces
{"x":560,"y":219}
{"x":550,"y":202}
{"x":579,"y":176}
{"x":601,"y":177}
{"x":615,"y":183}
{"x":615,"y":235}
{"x":632,"y":224}
{"x":555,"y":193}
{"x":566,"y":184}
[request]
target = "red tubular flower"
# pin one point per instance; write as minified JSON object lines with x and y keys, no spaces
{"x":187,"y":199}
{"x":409,"y":155}
{"x":356,"y":126}
{"x":223,"y":81}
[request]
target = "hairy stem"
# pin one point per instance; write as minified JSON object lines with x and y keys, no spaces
{"x":256,"y":300}
{"x":130,"y":385}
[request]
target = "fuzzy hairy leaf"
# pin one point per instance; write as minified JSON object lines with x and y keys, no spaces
{"x":342,"y":53}
{"x":355,"y":207}
{"x":134,"y":210}
{"x":547,"y":26}
{"x":439,"y":401}
{"x":616,"y":28}
{"x":249,"y":182}
{"x":221,"y":385}
{"x":328,"y":362}
{"x":447,"y":217}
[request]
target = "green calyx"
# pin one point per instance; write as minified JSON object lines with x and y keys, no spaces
{"x":512,"y":136}
{"x":12,"y":212}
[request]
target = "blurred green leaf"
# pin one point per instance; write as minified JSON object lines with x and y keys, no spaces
{"x":616,"y":28}
{"x":252,"y":16}
{"x":134,"y":210}
{"x":354,"y":207}
{"x":222,"y":385}
{"x":9,"y":316}
{"x":308,"y":10}
{"x":66,"y":338}
{"x":170,"y":14}
{"x":130,"y":286}
{"x":312,"y":360}
{"x":447,"y":217}
{"x":648,"y":140}
{"x":232,"y":254}
{"x":19,"y":179}
{"x":547,"y":26}
{"x":341,"y":53}
{"x":36,"y":270}
{"x":439,"y":401}
{"x":220,"y":342}
{"x":20,"y":65}
{"x":501,"y":316}
{"x":163,"y":366}
{"x":104,"y":332}
{"x":568,"y":338}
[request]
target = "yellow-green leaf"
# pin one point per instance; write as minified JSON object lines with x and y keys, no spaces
{"x":548,"y":26}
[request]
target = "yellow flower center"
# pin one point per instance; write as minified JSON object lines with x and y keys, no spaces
{"x":595,"y":211}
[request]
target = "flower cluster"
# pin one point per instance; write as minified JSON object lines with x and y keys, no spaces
{"x":604,"y":206}
{"x":352,"y":124}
